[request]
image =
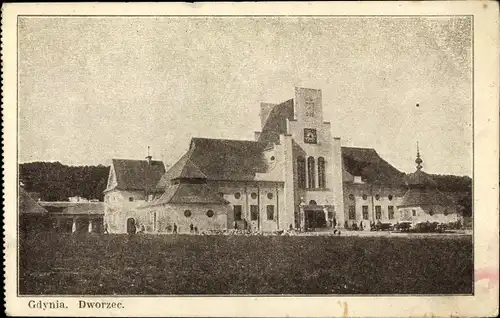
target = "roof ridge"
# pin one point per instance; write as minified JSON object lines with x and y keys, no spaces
{"x":367,"y":148}
{"x":224,"y":139}
{"x":136,"y":160}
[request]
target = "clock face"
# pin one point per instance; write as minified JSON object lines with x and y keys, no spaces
{"x":310,"y":136}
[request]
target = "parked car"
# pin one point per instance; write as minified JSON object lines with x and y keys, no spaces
{"x":403,"y":226}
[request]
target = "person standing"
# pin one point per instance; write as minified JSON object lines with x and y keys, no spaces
{"x":175,"y":228}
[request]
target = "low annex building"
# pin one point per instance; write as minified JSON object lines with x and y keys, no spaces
{"x":423,"y":202}
{"x":294,"y":174}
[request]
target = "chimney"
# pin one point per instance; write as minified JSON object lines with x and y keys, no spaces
{"x":265,"y":110}
{"x":149,"y":157}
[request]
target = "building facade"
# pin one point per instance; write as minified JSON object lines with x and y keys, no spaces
{"x":294,"y":174}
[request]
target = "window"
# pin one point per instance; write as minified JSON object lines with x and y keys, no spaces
{"x":150,"y":197}
{"x":390,"y":197}
{"x":311,"y":176}
{"x":187,"y":213}
{"x":221,"y":194}
{"x":351,"y":197}
{"x":390,"y":209}
{"x":270,"y":212}
{"x":321,"y":173}
{"x":254,"y":212}
{"x":237,"y":212}
{"x":272,"y":158}
{"x":365,"y":197}
{"x":378,"y":212}
{"x":301,"y":172}
{"x":431,"y":212}
{"x":237,"y":195}
{"x":365,"y":212}
{"x":130,"y":199}
{"x":309,"y":106}
{"x":414,"y":212}
{"x":377,"y":197}
{"x":352,"y":212}
{"x":270,"y":196}
{"x":312,"y":202}
{"x":210,"y":213}
{"x":253,"y":195}
{"x":445,"y":212}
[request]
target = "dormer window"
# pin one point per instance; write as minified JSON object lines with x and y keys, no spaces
{"x":357,"y":179}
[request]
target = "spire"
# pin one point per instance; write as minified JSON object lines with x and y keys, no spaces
{"x":418,"y":161}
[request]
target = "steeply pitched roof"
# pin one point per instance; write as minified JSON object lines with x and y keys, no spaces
{"x":276,"y":122}
{"x":222,"y":159}
{"x":184,"y":168}
{"x":137,"y":174}
{"x":366,"y":163}
{"x":420,"y":179}
{"x":425,"y":197}
{"x":187,"y":193}
{"x":29,"y":206}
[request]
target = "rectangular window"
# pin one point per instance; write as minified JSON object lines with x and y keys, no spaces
{"x":390,"y":209}
{"x":237,"y":212}
{"x":130,"y":199}
{"x":365,"y":212}
{"x":270,"y":212}
{"x":254,"y":212}
{"x":414,"y":212}
{"x":352,"y":212}
{"x":301,"y":172}
{"x":378,"y":212}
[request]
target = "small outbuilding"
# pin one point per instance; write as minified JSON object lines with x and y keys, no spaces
{"x":423,"y":202}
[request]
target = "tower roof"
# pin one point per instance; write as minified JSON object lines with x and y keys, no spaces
{"x":422,"y":189}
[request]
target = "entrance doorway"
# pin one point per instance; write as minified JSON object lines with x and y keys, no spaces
{"x":315,"y":219}
{"x":130,"y":226}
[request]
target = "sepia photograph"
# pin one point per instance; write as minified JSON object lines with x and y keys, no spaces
{"x":244,"y":155}
{"x":182,"y":157}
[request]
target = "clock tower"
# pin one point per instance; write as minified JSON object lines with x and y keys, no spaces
{"x":316,"y":161}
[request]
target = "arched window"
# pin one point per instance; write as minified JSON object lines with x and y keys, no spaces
{"x":301,"y":172}
{"x":312,"y":202}
{"x":311,"y":176}
{"x":321,"y":173}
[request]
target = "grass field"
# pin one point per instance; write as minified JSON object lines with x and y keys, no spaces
{"x":182,"y":264}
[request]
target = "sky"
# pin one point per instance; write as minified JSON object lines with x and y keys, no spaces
{"x":93,"y":89}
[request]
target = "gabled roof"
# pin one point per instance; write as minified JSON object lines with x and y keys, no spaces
{"x":366,"y":163}
{"x":425,"y":197}
{"x":276,"y":122}
{"x":222,"y":159}
{"x":29,"y":206}
{"x":137,"y":174}
{"x":187,"y":193}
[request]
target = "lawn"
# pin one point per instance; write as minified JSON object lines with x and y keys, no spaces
{"x":62,"y":264}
